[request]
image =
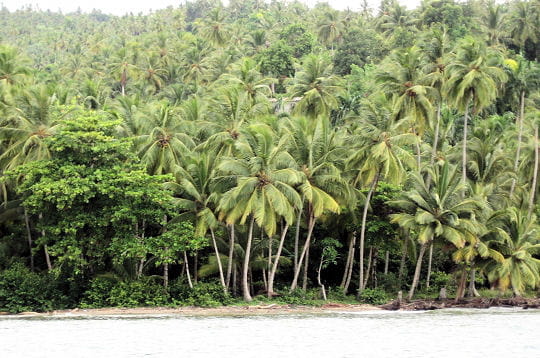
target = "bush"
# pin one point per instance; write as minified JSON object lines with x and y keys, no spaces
{"x":138,"y":293}
{"x":373,"y":296}
{"x":202,"y":294}
{"x":105,"y":291}
{"x":22,"y":290}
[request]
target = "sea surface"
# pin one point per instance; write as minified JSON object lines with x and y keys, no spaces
{"x":493,"y":332}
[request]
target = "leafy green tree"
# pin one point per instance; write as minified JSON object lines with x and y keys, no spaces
{"x":89,"y":192}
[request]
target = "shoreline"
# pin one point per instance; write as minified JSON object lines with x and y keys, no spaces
{"x":287,"y":309}
{"x":192,"y":311}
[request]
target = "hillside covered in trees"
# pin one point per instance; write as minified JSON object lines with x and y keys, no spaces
{"x":207,"y":152}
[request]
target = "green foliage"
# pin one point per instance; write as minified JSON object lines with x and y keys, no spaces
{"x":106,"y":291}
{"x":358,"y":48}
{"x":298,"y":38}
{"x":23,"y":290}
{"x":202,"y":294}
{"x":373,"y":296}
{"x":277,"y":60}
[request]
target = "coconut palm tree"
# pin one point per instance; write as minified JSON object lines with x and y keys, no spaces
{"x":265,"y":174}
{"x":380,"y":155}
{"x":197,"y":196}
{"x":164,"y":140}
{"x":317,"y":86}
{"x":523,"y":22}
{"x":320,"y":153}
{"x":517,"y":241}
{"x":474,"y":77}
{"x":436,"y":212}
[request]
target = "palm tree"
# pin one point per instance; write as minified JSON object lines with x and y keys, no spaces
{"x":264,"y":174}
{"x":474,"y":78}
{"x":523,"y":22}
{"x":319,"y":152}
{"x":436,"y":212}
{"x":164,"y":141}
{"x":403,"y":78}
{"x":380,"y":156}
{"x":330,"y":28}
{"x":13,"y":69}
{"x":317,"y":86}
{"x":518,"y":243}
{"x":493,"y":23}
{"x":247,"y":77}
{"x":197,"y":195}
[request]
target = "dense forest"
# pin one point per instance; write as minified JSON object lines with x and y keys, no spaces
{"x":207,"y":153}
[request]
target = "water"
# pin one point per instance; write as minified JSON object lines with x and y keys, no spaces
{"x":444,"y":333}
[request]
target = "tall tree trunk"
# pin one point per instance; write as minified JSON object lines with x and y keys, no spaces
{"x":323,"y":290}
{"x":245,"y":269}
{"x":265,"y":281}
{"x":429,"y":264}
{"x":370,"y":258}
{"x":464,"y":147}
{"x":218,"y":259}
{"x":231,"y":255}
{"x":535,"y":173}
{"x":520,"y":119}
{"x":273,"y":271}
{"x":305,"y":272}
{"x":45,"y":248}
{"x":348,"y":263}
{"x":363,"y":232}
{"x":386,"y":261}
{"x":195,"y":268}
{"x":297,"y":235}
{"x":403,"y":259}
{"x":311,"y":225}
{"x":416,"y":277}
{"x":29,"y":237}
{"x":460,"y":292}
{"x":165,"y":275}
{"x":186,"y":265}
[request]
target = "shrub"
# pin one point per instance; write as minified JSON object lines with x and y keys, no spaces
{"x":208,"y":295}
{"x":373,"y":296}
{"x":98,"y":293}
{"x":22,"y":290}
{"x":106,"y":291}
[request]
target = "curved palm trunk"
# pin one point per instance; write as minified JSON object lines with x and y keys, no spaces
{"x":535,"y":173}
{"x":417,"y":270}
{"x":218,"y":259}
{"x":323,"y":289}
{"x":311,"y":225}
{"x":245,"y":269}
{"x":520,"y":135}
{"x":231,"y":256}
{"x":363,"y":232}
{"x":346,"y":280}
{"x":272,"y":273}
{"x":186,"y":265}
